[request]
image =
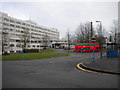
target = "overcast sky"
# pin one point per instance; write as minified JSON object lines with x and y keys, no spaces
{"x":63,"y":15}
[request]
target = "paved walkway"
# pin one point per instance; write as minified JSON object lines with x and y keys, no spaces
{"x":104,"y":64}
{"x":101,"y":64}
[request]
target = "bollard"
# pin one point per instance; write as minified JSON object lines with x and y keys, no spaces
{"x":81,"y":51}
{"x":22,"y":54}
{"x":100,"y":54}
{"x":93,"y":56}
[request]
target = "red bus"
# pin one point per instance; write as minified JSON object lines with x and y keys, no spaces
{"x":86,"y":47}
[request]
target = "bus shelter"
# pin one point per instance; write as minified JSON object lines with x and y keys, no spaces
{"x":112,"y":50}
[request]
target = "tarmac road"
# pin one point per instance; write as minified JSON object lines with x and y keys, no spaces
{"x":60,"y":72}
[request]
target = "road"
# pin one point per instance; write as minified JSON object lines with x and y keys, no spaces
{"x":60,"y":72}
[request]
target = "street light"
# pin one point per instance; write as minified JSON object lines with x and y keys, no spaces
{"x":22,"y":52}
{"x":91,"y":30}
{"x":100,"y":24}
{"x":101,"y":38}
{"x":68,"y":41}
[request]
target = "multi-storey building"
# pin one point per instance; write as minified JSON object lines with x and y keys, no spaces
{"x":15,"y":31}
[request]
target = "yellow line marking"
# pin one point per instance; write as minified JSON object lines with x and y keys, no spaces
{"x":78,"y":65}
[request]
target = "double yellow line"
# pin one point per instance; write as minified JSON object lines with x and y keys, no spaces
{"x":79,"y":67}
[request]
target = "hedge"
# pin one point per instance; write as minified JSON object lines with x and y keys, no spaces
{"x":31,"y":50}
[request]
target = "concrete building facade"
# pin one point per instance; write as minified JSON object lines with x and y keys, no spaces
{"x":13,"y":31}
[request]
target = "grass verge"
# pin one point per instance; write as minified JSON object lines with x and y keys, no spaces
{"x":29,"y":56}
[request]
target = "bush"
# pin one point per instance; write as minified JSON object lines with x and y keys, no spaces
{"x":31,"y":50}
{"x":5,"y":53}
{"x":67,"y":48}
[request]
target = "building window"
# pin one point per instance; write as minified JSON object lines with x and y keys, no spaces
{"x":17,"y":40}
{"x":12,"y":40}
{"x":39,"y":41}
{"x":28,"y":45}
{"x":32,"y":41}
{"x":11,"y":29}
{"x":28,"y":29}
{"x":36,"y":27}
{"x":18,"y":51}
{"x":32,"y":26}
{"x":23,"y":24}
{"x":12,"y":25}
{"x":18,"y":45}
{"x":18,"y":26}
{"x":6,"y":24}
{"x":12,"y":21}
{"x":38,"y":46}
{"x":11,"y":45}
{"x":5,"y":28}
{"x":6,"y":19}
{"x":18,"y":22}
{"x":23,"y":28}
{"x":28,"y":24}
{"x":12,"y":51}
{"x":5,"y":44}
{"x":33,"y":45}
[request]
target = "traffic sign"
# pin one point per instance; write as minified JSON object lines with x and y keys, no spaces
{"x":93,"y":40}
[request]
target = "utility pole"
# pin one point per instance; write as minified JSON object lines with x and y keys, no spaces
{"x":2,"y":40}
{"x":115,"y":36}
{"x":91,"y":30}
{"x":68,"y":40}
{"x":101,"y":41}
{"x":30,"y":26}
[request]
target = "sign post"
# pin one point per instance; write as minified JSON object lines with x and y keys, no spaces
{"x":93,"y":40}
{"x":93,"y":56}
{"x":22,"y":52}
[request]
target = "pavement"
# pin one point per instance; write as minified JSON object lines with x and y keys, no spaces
{"x":104,"y":65}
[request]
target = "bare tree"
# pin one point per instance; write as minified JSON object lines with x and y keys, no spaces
{"x":0,"y":41}
{"x":83,"y":32}
{"x":118,"y":37}
{"x":73,"y":38}
{"x":46,"y":40}
{"x":100,"y":34}
{"x":114,"y":31}
{"x":5,"y":40}
{"x":24,"y":38}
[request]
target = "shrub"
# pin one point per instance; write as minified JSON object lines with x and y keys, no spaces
{"x":31,"y":50}
{"x":6,"y":53}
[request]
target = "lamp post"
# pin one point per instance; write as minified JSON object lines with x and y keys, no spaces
{"x":22,"y":52}
{"x":91,"y":30}
{"x":68,"y":41}
{"x":101,"y":41}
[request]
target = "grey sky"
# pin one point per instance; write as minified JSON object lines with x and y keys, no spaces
{"x":63,"y":15}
